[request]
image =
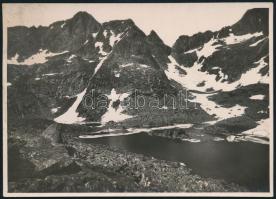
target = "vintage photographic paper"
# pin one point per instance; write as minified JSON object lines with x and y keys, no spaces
{"x":153,"y":99}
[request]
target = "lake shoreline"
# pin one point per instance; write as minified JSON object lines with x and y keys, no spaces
{"x":62,"y":162}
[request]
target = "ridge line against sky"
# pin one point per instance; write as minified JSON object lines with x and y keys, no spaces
{"x":169,"y":20}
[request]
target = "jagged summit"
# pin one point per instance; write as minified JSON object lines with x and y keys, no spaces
{"x":84,"y":19}
{"x":153,"y":36}
{"x":153,"y":33}
{"x":254,"y":20}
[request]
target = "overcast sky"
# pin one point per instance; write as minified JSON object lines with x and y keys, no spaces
{"x":168,"y":20}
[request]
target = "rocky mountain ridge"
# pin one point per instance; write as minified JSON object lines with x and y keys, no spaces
{"x":70,"y":59}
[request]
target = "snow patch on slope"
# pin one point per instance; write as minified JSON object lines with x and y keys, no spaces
{"x":259,"y":134}
{"x":253,"y":75}
{"x":257,"y":97}
{"x":173,"y":73}
{"x":104,"y":54}
{"x":39,"y":58}
{"x":195,"y":76}
{"x":113,"y":114}
{"x":62,"y":25}
{"x":50,"y":74}
{"x":105,"y":33}
{"x":71,"y":115}
{"x":54,"y":110}
{"x":234,"y":39}
{"x":99,"y":65}
{"x":258,"y":42}
{"x":134,"y":64}
{"x":262,"y":130}
{"x":100,"y":46}
{"x":69,"y":60}
{"x":135,"y":131}
{"x":206,"y":50}
{"x":220,"y":112}
{"x":114,"y":38}
{"x":126,"y":65}
{"x":86,"y":42}
{"x":117,"y":74}
{"x":211,"y":46}
{"x":94,"y":34}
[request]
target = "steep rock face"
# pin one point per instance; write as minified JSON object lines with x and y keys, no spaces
{"x":24,"y":103}
{"x":131,"y":53}
{"x":158,"y":48}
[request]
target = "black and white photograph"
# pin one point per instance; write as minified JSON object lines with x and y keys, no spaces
{"x":137,"y":99}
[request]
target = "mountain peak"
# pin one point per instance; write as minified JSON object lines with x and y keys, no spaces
{"x":256,"y":12}
{"x":254,"y":20}
{"x":81,"y":17}
{"x":85,"y":18}
{"x":153,"y":33}
{"x":82,"y":14}
{"x":153,"y":36}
